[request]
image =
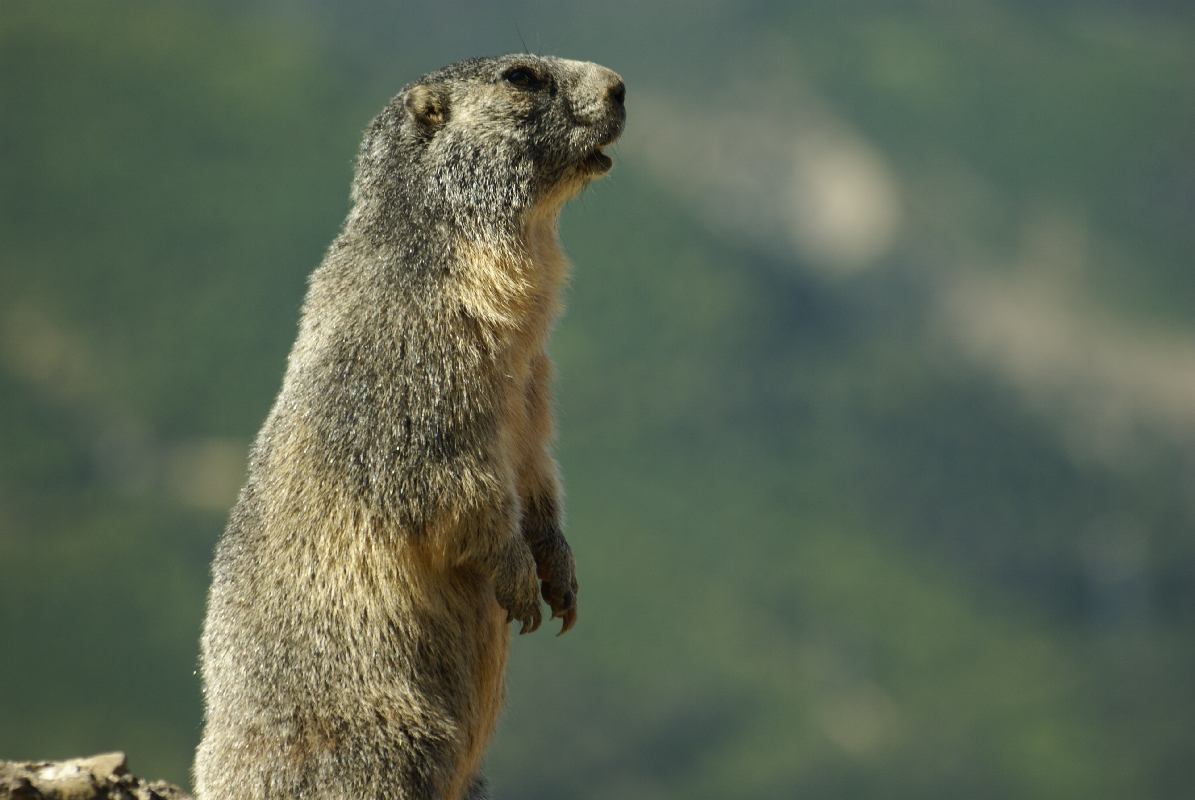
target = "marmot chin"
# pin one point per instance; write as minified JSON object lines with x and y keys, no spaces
{"x":402,"y":505}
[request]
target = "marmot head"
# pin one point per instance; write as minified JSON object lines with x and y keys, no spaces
{"x":483,"y":142}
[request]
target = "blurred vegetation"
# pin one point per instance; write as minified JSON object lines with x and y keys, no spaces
{"x":822,"y":553}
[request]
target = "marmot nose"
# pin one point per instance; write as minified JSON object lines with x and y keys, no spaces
{"x":617,"y":92}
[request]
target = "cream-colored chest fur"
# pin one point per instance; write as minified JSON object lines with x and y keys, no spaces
{"x":512,"y":288}
{"x":513,"y":291}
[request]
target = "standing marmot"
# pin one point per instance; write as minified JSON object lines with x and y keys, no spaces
{"x":402,"y":505}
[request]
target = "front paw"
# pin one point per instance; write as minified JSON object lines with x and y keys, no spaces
{"x":517,"y":590}
{"x":559,"y":588}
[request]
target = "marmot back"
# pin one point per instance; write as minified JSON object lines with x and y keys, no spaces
{"x":402,"y":504}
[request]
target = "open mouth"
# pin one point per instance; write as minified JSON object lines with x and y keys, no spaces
{"x":597,"y":162}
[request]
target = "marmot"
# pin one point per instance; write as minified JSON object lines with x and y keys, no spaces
{"x":402,"y":505}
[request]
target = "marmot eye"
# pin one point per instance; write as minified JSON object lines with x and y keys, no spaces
{"x":522,"y":78}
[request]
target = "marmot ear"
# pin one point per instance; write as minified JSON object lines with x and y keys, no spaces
{"x":427,"y":106}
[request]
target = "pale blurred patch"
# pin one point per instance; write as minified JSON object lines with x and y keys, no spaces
{"x":788,"y":176}
{"x":207,"y":473}
{"x":843,"y":201}
{"x":62,"y":367}
{"x":769,"y":165}
{"x":851,"y":709}
{"x":202,"y":472}
{"x":1101,"y":377}
{"x":41,"y":352}
{"x":857,"y":718}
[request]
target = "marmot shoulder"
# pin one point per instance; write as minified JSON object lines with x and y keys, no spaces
{"x":402,"y":504}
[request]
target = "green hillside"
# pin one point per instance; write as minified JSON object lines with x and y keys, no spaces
{"x":906,"y":521}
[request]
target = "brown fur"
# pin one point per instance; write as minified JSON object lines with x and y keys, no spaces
{"x":402,"y":503}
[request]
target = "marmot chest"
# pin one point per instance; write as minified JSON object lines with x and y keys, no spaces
{"x":514,"y":294}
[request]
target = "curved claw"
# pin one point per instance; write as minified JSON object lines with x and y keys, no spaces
{"x":563,"y":604}
{"x":532,"y":625}
{"x":570,"y":619}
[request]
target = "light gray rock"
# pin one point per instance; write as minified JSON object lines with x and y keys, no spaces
{"x":102,"y":777}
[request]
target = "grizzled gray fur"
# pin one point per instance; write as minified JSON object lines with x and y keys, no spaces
{"x":402,"y":504}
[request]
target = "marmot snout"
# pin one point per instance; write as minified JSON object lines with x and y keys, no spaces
{"x":402,"y":504}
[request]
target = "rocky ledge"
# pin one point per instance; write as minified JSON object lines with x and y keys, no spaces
{"x":103,"y":777}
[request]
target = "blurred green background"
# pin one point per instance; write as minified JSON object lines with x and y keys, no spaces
{"x":877,"y":386}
